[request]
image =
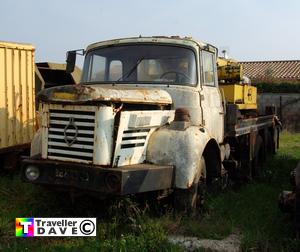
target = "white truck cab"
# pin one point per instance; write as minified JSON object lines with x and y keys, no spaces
{"x":148,"y":115}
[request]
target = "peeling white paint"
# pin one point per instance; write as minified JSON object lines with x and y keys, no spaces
{"x":180,"y":148}
{"x":133,"y":132}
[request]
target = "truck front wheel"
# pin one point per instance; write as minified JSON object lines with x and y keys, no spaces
{"x":190,"y":200}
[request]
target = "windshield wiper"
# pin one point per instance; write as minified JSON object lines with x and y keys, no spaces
{"x":125,"y":76}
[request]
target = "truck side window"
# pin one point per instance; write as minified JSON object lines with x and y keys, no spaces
{"x":97,"y":64}
{"x":208,"y":68}
{"x":115,"y":70}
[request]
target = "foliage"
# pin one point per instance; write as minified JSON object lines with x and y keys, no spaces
{"x":274,"y":87}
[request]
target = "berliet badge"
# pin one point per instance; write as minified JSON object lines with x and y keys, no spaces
{"x":70,"y":132}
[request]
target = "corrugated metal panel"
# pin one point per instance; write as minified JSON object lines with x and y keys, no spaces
{"x":17,"y":94}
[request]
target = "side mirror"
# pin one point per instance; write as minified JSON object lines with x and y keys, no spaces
{"x":71,"y":60}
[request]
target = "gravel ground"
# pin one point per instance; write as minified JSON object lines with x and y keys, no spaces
{"x":230,"y":244}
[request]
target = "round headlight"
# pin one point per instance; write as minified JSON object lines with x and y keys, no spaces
{"x":32,"y":172}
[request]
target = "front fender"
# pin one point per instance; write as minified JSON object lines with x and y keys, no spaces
{"x":180,"y":148}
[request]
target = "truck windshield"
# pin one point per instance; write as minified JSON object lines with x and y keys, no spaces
{"x":141,"y":64}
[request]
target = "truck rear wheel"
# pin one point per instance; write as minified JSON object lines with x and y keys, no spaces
{"x":190,"y":200}
{"x":276,"y":138}
{"x":256,"y":164}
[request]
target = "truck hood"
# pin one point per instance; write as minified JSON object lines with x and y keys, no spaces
{"x":92,"y":93}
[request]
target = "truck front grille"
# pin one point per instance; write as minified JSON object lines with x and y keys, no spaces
{"x":71,"y":135}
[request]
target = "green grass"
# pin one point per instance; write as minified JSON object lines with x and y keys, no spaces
{"x":122,"y":226}
{"x":252,"y":210}
{"x":125,"y":225}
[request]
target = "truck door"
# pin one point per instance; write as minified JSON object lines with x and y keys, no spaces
{"x":211,"y":99}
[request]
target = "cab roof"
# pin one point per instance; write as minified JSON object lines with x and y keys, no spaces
{"x":187,"y":41}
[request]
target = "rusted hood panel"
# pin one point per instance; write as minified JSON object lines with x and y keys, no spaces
{"x":88,"y":93}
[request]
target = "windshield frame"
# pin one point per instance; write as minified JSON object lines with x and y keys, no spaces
{"x":193,"y":49}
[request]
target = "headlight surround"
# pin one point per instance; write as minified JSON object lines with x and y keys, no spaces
{"x":32,"y":172}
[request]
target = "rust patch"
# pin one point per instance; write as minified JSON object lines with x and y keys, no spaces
{"x":143,"y":92}
{"x":182,"y":115}
{"x":80,"y":93}
{"x":81,"y":90}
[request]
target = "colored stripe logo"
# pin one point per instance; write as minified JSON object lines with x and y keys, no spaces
{"x":24,"y":227}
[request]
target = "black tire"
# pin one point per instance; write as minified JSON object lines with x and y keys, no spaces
{"x":190,"y":200}
{"x":270,"y":146}
{"x":275,"y":138}
{"x":256,"y":164}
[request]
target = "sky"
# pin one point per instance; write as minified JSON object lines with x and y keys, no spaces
{"x":250,"y":30}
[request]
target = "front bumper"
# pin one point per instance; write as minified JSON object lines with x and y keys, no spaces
{"x":110,"y":181}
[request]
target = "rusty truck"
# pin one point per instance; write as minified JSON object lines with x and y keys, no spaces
{"x":150,"y":114}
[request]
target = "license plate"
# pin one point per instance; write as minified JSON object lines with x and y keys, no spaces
{"x":71,"y":175}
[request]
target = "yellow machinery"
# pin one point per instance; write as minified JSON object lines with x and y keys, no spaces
{"x":231,"y":81}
